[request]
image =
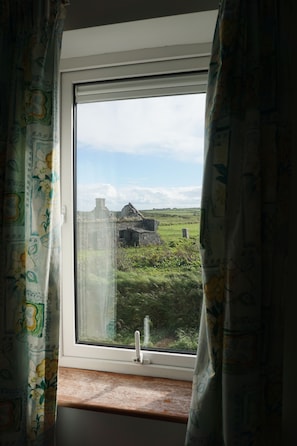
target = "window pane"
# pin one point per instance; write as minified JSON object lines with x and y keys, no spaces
{"x":138,"y":182}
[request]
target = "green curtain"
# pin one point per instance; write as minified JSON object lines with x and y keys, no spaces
{"x":237,"y":386}
{"x":30,"y":40}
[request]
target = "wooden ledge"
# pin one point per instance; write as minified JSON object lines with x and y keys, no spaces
{"x":141,"y":396}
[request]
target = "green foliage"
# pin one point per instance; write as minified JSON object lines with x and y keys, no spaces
{"x":171,"y":301}
{"x":163,"y":282}
{"x":187,"y":340}
{"x":168,"y":256}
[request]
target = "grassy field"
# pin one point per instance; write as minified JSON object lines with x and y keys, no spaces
{"x":173,"y":232}
{"x":162,"y":282}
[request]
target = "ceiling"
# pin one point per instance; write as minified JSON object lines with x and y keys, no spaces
{"x":90,"y":13}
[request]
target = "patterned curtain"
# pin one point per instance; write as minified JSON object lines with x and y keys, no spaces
{"x":30,"y":41}
{"x":237,"y":387}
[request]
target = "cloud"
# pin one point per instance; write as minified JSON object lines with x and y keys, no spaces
{"x":140,"y":197}
{"x":163,"y":125}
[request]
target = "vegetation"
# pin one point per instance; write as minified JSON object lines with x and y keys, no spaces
{"x":162,"y":282}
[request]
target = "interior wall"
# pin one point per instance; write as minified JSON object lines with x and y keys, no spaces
{"x":77,"y":427}
{"x":88,"y":13}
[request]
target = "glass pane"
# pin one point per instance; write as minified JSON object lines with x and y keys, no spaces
{"x":139,"y":169}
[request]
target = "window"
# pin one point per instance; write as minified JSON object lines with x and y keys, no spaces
{"x":109,"y":228}
{"x":136,"y":184}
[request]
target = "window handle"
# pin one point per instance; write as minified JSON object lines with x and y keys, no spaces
{"x":138,"y":353}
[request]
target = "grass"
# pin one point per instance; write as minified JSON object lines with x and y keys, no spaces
{"x":173,"y":232}
{"x":163,"y":282}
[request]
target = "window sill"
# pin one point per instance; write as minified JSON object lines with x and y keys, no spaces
{"x":142,"y":396}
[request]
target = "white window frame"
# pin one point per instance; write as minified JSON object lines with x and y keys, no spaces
{"x":167,"y":60}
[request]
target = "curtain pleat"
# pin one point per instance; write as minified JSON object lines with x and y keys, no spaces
{"x":30,"y":41}
{"x":237,"y":386}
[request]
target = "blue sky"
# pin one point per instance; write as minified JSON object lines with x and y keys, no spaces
{"x":146,"y":151}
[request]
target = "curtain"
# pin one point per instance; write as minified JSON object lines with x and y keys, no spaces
{"x":237,"y":385}
{"x":30,"y":39}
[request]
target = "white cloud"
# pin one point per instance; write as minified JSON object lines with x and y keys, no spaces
{"x":163,"y":125}
{"x":140,"y":197}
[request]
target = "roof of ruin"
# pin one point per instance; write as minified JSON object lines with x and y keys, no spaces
{"x":130,"y":211}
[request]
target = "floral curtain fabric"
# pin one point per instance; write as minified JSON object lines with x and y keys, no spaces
{"x":30,"y":42}
{"x":237,"y":388}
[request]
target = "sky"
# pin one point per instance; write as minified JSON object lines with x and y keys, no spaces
{"x":145,"y":151}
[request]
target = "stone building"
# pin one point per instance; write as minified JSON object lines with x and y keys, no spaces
{"x":134,"y":229}
{"x":102,"y":228}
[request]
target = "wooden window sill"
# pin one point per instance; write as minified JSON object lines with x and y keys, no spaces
{"x":142,"y":396}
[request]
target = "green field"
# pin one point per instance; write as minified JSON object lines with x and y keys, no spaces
{"x":162,"y":282}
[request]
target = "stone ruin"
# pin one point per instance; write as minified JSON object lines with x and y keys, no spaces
{"x":136,"y":230}
{"x":98,"y":228}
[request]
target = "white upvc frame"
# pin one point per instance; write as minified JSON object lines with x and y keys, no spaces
{"x":168,"y":61}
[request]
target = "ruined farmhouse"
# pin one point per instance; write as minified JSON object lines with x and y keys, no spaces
{"x":133,"y":229}
{"x":102,"y":228}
